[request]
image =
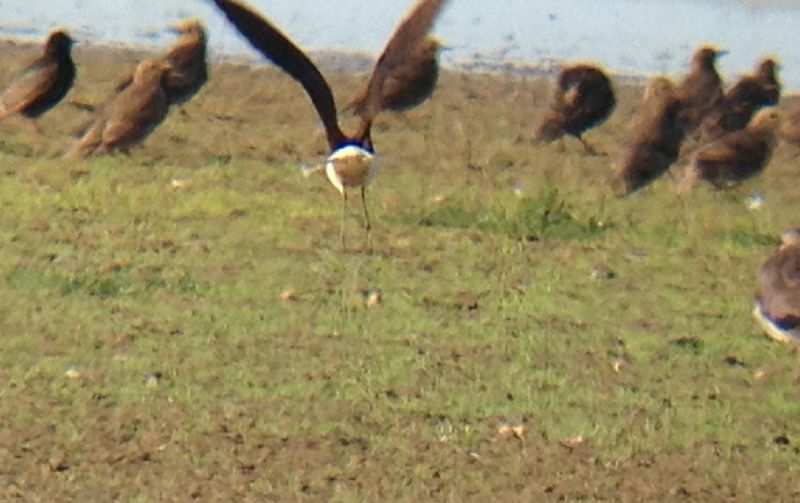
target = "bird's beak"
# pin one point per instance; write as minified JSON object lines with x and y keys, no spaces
{"x":722,"y":52}
{"x":178,"y":28}
{"x":442,"y":45}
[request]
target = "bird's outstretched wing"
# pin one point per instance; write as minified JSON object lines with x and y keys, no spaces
{"x":276,"y":47}
{"x":407,"y":36}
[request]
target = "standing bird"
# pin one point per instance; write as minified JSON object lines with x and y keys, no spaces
{"x":583,"y":99}
{"x":410,"y":83}
{"x":740,"y":102}
{"x":352,"y":161}
{"x":777,"y":307}
{"x":735,"y":156}
{"x":700,"y":91}
{"x":43,"y":83}
{"x":187,"y":60}
{"x":750,"y":94}
{"x":130,"y":116}
{"x":187,"y":75}
{"x":655,"y":138}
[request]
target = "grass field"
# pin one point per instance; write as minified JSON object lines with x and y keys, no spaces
{"x":180,"y":324}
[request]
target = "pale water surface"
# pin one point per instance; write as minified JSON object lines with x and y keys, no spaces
{"x":629,"y":36}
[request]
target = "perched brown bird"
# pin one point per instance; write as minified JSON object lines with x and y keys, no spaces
{"x":43,"y":83}
{"x":352,"y":161}
{"x":410,"y":83}
{"x":187,"y":59}
{"x":130,"y":116}
{"x":740,"y":102}
{"x":584,"y":98}
{"x":750,"y":94}
{"x":700,"y":91}
{"x":655,"y":138}
{"x":777,"y":306}
{"x":736,"y":156}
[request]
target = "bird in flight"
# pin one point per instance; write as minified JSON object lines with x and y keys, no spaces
{"x":410,"y":84}
{"x":352,"y":161}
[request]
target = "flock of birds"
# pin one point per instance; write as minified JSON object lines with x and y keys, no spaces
{"x":724,"y":136}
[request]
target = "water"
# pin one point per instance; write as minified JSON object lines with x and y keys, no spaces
{"x":628,"y":36}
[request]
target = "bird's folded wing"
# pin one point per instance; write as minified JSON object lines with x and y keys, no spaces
{"x":29,"y":85}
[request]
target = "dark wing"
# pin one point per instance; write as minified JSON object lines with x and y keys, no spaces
{"x":743,"y":145}
{"x":409,"y":84}
{"x":29,"y":86}
{"x":593,"y":99}
{"x":134,"y":114}
{"x":408,"y":35}
{"x":276,"y":47}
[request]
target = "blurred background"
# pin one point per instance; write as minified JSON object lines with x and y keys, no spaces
{"x":637,"y":37}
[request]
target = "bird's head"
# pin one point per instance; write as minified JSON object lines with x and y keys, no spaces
{"x":436,"y":44}
{"x":791,"y":237}
{"x":706,"y":56}
{"x":429,"y":48}
{"x":767,"y":119}
{"x":58,"y":42}
{"x":766,"y":68}
{"x":190,"y":28}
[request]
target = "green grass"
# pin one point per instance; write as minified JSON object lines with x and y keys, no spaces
{"x":489,"y":315}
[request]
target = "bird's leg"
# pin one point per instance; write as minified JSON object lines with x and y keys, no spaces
{"x":341,"y":226}
{"x":367,"y":225}
{"x":36,"y":129}
{"x":588,"y":147}
{"x":690,"y":178}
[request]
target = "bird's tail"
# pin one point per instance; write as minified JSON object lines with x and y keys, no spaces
{"x":307,"y":170}
{"x":84,"y":147}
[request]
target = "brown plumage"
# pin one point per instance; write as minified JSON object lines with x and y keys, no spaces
{"x":129,"y":117}
{"x":187,"y":60}
{"x":778,"y":293}
{"x":751,"y":93}
{"x":735,"y":156}
{"x":410,"y":83}
{"x":700,"y":91}
{"x":188,"y":73}
{"x":583,"y":99}
{"x":655,"y":137}
{"x":352,"y":160}
{"x":740,"y":102}
{"x":41,"y":85}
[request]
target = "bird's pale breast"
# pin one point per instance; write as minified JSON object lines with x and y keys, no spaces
{"x":350,"y":166}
